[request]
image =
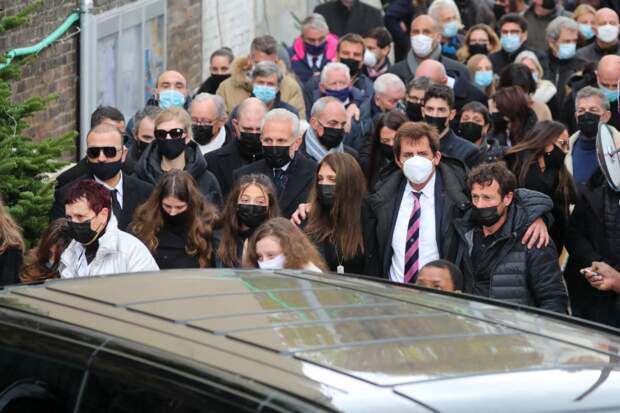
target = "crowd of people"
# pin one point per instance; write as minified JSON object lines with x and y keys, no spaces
{"x":467,"y":164}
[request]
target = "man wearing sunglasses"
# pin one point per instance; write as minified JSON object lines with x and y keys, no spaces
{"x":105,"y":155}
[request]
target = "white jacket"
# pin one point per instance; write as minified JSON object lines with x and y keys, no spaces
{"x":119,"y":252}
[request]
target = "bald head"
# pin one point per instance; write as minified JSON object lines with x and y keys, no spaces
{"x":106,"y":129}
{"x":250,"y":115}
{"x":608,"y":72}
{"x":606,"y":16}
{"x":172,"y":79}
{"x":433,"y":70}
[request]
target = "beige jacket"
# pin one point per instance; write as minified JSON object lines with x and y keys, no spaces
{"x":237,"y":88}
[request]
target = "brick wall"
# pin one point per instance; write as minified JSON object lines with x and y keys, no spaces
{"x":56,"y":69}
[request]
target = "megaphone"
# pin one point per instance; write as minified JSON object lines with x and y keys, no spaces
{"x":608,"y":155}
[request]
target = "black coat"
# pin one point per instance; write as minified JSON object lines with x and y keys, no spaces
{"x":453,"y":68}
{"x":501,"y":58}
{"x":149,"y":170}
{"x":517,"y":274}
{"x":381,"y":211}
{"x":560,"y":70}
{"x":458,"y":148}
{"x":224,"y":161}
{"x":593,"y":52}
{"x":171,"y":253}
{"x":74,"y":173}
{"x":299,"y":177}
{"x":10,"y":266}
{"x":586,"y":241}
{"x":359,"y":19}
{"x":354,"y":265}
{"x":135,"y":193}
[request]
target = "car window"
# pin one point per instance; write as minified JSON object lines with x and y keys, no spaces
{"x":38,"y":372}
{"x":120,"y":385}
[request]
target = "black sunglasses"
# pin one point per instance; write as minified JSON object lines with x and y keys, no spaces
{"x":108,"y":151}
{"x":176,"y":133}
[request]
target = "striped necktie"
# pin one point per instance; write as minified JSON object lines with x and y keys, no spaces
{"x":413,"y":241}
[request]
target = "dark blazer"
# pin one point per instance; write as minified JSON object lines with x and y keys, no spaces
{"x":360,"y":18}
{"x":456,"y":147}
{"x":223,"y":162}
{"x":77,"y":171}
{"x":381,"y":211}
{"x":501,"y":58}
{"x":135,"y":193}
{"x":299,"y":177}
{"x":401,"y":69}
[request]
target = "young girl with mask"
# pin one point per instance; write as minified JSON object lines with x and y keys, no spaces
{"x":176,"y":223}
{"x":252,"y":201}
{"x":278,"y":244}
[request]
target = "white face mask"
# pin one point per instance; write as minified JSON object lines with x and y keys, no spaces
{"x":607,"y":33}
{"x":276,"y":263}
{"x":422,"y":45}
{"x":418,"y":169}
{"x":370,"y":59}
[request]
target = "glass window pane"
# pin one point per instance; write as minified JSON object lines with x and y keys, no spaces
{"x":129,"y":99}
{"x":106,"y":70}
{"x":153,"y":54}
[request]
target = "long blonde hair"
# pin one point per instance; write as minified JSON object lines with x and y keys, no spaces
{"x":10,"y":232}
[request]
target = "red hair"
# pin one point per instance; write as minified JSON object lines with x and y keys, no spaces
{"x":95,"y":194}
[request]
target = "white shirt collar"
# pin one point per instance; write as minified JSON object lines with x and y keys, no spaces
{"x":119,"y":188}
{"x":428,"y":191}
{"x":451,"y":82}
{"x":216,"y":143}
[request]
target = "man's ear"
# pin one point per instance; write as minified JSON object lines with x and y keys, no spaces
{"x":606,"y":116}
{"x":437,"y":159}
{"x":452,"y":114}
{"x":314,"y":123}
{"x":508,"y":198}
{"x":524,"y":37}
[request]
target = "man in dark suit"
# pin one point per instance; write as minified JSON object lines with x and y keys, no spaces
{"x":438,"y":111}
{"x":105,"y":155}
{"x":291,"y":172}
{"x":349,"y":16}
{"x":426,"y":44}
{"x":243,"y":150}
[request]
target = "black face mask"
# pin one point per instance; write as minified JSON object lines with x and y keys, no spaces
{"x":439,"y":122}
{"x":470,"y":131}
{"x":587,"y":123}
{"x":353,"y":65}
{"x":203,"y":134}
{"x":82,"y":232}
{"x":499,"y":123}
{"x":555,"y":158}
{"x":486,"y":217}
{"x":388,"y":151}
{"x":140,"y":146}
{"x":217,"y":79}
{"x":478,"y":49}
{"x":325,"y":195}
{"x":178,"y":221}
{"x":499,"y":11}
{"x":249,"y":145}
{"x":332,"y":137}
{"x":105,"y":170}
{"x":171,"y":148}
{"x":251,"y":215}
{"x":548,"y":4}
{"x":414,"y":111}
{"x":276,"y":156}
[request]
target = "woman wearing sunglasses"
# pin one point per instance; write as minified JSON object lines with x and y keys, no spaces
{"x":174,"y":149}
{"x":176,"y":224}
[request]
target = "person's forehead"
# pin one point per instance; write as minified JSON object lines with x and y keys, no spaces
{"x":172,"y":77}
{"x":173,"y":201}
{"x":351,"y":46}
{"x":510,"y":26}
{"x":471,"y":114}
{"x":313,"y":32}
{"x":79,"y":207}
{"x":487,"y":188}
{"x":219,"y":61}
{"x":203,"y":107}
{"x":590,"y":101}
{"x":423,"y":22}
{"x":436,"y":102}
{"x":479,"y":34}
{"x":410,"y":144}
{"x":277,"y":128}
{"x":104,"y":139}
{"x":335,"y":75}
{"x":267,"y":78}
{"x":606,"y":15}
{"x":333,"y":110}
{"x":434,"y":273}
{"x":169,"y":124}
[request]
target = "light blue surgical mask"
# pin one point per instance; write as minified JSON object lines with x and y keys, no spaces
{"x":535,"y":76}
{"x":510,"y":42}
{"x":567,"y":51}
{"x":450,"y":29}
{"x":170,"y":98}
{"x":483,"y":78}
{"x":610,"y":94}
{"x":267,"y":94}
{"x":586,"y":30}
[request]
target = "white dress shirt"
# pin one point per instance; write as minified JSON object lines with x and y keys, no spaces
{"x":118,"y":187}
{"x":427,"y":246}
{"x":319,"y":60}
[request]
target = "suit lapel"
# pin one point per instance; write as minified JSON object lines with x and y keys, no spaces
{"x":439,"y":205}
{"x":297,"y":178}
{"x":390,"y":214}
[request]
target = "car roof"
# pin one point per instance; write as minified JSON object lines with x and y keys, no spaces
{"x":340,"y":340}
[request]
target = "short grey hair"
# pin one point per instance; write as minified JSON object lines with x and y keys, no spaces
{"x":266,"y":68}
{"x":588,"y":92}
{"x":419,"y":83}
{"x":388,"y":81}
{"x":217,"y":100}
{"x":315,"y":21}
{"x":250,"y":105}
{"x":319,"y":106}
{"x":334,"y":66}
{"x":558,"y":24}
{"x":435,"y":9}
{"x":282,"y":115}
{"x":149,"y":111}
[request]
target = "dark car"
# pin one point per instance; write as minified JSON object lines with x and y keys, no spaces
{"x":245,"y":340}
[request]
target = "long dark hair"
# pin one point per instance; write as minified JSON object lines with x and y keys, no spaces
{"x":148,"y":218}
{"x":533,"y":145}
{"x":229,"y":222}
{"x":391,"y":120}
{"x":52,"y":243}
{"x":512,"y":103}
{"x":342,"y":223}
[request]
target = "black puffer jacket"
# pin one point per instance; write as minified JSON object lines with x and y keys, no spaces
{"x":149,"y":170}
{"x":519,"y":275}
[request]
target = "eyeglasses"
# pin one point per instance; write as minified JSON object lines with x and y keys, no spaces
{"x":175,"y":133}
{"x":108,"y":151}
